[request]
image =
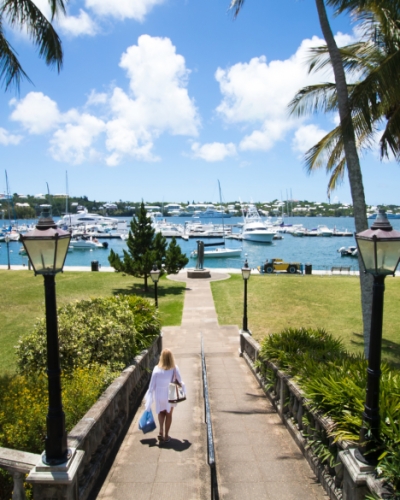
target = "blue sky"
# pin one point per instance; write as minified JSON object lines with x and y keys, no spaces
{"x":158,"y":99}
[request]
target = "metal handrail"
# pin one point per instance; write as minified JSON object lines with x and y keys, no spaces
{"x":210,"y":439}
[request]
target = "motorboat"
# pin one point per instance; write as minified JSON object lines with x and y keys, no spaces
{"x":254,"y":229}
{"x":349,"y":251}
{"x":219,"y":253}
{"x":170,"y":230}
{"x":87,"y":244}
{"x":345,"y":232}
{"x":323,"y":230}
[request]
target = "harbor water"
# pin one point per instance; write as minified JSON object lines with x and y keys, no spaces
{"x":321,"y":252}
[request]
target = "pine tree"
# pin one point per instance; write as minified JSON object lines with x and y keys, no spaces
{"x":146,"y":248}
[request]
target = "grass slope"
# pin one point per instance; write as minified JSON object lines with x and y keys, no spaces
{"x":330,"y":302}
{"x":22,"y":301}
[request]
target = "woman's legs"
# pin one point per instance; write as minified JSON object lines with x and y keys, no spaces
{"x":161,"y":420}
{"x":168,"y":422}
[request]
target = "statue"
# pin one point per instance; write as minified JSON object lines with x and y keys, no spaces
{"x":200,"y":255}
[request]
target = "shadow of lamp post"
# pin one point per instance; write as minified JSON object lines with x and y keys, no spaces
{"x":155,"y":276}
{"x":7,"y":240}
{"x":379,"y":248}
{"x":246,"y":271}
{"x":46,"y":247}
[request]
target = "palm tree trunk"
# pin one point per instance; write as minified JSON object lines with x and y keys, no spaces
{"x":352,"y":160}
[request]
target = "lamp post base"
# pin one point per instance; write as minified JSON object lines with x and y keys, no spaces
{"x":57,"y":461}
{"x":59,"y":482}
{"x":198,"y":273}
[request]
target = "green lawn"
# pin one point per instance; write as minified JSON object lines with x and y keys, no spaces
{"x":22,"y":301}
{"x":330,"y":302}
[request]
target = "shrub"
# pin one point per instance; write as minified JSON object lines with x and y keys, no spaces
{"x":23,"y":408}
{"x":291,"y":347}
{"x":334,"y":382}
{"x":24,"y":402}
{"x":107,"y":331}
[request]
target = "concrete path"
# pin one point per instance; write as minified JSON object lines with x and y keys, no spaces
{"x":256,"y":457}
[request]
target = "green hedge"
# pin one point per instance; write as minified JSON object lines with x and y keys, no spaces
{"x":107,"y":331}
{"x":335,"y":381}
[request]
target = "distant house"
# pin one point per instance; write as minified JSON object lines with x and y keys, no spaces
{"x":110,"y":206}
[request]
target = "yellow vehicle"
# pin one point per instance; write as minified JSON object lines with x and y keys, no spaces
{"x":273,"y":265}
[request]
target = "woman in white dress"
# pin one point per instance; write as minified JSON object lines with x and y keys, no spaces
{"x":162,"y":375}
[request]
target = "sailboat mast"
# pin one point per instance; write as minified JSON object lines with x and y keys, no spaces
{"x":66,"y":198}
{"x":8,"y":199}
{"x":222,"y":216}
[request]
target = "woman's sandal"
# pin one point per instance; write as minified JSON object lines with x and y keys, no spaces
{"x":160,"y":437}
{"x":167,"y":440}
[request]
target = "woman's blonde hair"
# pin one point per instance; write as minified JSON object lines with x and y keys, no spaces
{"x":166,"y":360}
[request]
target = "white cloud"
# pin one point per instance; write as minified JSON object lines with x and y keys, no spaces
{"x":158,"y":80}
{"x":123,"y":9}
{"x":36,"y":112}
{"x":257,"y":93}
{"x":73,"y":143}
{"x":7,"y":139}
{"x":79,"y":25}
{"x":96,"y":98}
{"x":306,"y":137}
{"x":158,"y":103}
{"x":215,"y":151}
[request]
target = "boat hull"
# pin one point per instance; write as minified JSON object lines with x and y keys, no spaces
{"x":219,"y":253}
{"x":260,"y":237}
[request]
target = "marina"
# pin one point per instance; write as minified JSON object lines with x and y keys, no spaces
{"x":321,"y":252}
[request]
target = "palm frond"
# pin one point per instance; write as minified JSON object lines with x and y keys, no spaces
{"x":236,"y":6}
{"x":11,"y":71}
{"x":313,"y":99}
{"x":25,"y":14}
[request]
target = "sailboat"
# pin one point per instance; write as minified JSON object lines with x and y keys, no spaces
{"x":223,"y":252}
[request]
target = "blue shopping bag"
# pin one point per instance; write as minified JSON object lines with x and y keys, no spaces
{"x":146,"y":422}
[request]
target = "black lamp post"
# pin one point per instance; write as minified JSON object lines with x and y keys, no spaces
{"x":155,"y":276}
{"x":245,"y":275}
{"x":379,"y":248}
{"x":7,"y":240}
{"x":46,"y":247}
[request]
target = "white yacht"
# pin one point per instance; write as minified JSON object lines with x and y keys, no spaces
{"x":213,"y":213}
{"x":323,"y":230}
{"x":254,"y":229}
{"x":219,"y":253}
{"x":86,"y":244}
{"x":83,"y":217}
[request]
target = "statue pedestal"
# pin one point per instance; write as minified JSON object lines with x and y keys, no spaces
{"x":198,"y":273}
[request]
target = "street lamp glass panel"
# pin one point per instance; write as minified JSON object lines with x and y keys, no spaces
{"x":380,"y":257}
{"x":246,"y":271}
{"x":155,"y":274}
{"x":7,"y":238}
{"x":47,"y":249}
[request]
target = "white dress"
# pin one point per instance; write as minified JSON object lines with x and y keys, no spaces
{"x":158,"y":389}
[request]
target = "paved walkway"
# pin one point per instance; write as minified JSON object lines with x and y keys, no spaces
{"x":256,"y":457}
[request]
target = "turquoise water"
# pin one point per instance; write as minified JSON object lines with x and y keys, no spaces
{"x":319,"y":251}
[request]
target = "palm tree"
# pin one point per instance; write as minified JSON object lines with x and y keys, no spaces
{"x":374,"y":98}
{"x":25,"y":15}
{"x":349,"y":144}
